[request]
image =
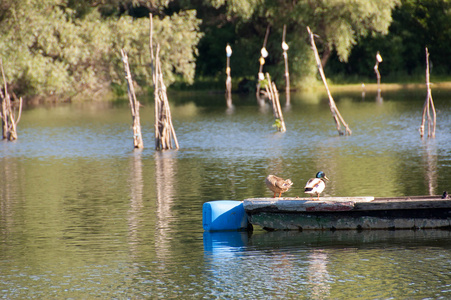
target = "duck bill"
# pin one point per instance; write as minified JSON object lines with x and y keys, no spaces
{"x":325,"y":177}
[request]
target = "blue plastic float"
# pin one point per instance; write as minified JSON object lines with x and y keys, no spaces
{"x":224,"y":215}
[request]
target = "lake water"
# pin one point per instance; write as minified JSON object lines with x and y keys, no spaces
{"x":83,"y":215}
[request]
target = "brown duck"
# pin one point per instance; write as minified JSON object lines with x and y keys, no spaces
{"x":277,"y":184}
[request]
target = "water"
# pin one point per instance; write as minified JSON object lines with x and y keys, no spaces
{"x":83,"y":215}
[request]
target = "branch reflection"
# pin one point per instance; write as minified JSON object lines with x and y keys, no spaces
{"x":318,"y":276}
{"x":10,"y":181}
{"x":430,"y":165}
{"x":136,"y":199}
{"x":165,"y":182}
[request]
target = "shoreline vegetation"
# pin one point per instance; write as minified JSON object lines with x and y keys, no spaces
{"x":372,"y":87}
{"x":70,"y":50}
{"x":316,"y":87}
{"x":334,"y":87}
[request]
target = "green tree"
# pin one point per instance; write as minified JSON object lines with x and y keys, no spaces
{"x":62,"y":47}
{"x":69,"y":46}
{"x":339,"y":24}
{"x":416,"y":25}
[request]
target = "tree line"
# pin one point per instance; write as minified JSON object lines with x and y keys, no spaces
{"x":70,"y":48}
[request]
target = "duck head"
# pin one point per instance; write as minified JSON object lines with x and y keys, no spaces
{"x":321,"y":175}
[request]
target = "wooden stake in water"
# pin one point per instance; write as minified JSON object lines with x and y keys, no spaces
{"x":287,"y":73}
{"x":378,"y":75}
{"x":229,"y":78}
{"x":333,"y":108}
{"x":428,"y":105}
{"x":134,"y":104}
{"x":7,"y":114}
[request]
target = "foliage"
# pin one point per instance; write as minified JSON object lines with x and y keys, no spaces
{"x":263,"y":83}
{"x":277,"y":124}
{"x":68,"y":46}
{"x":49,"y":47}
{"x":240,"y":8}
{"x":416,"y":25}
{"x":338,"y":23}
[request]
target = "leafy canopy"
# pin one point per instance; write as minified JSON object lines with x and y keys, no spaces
{"x":69,"y":47}
{"x":339,"y":24}
{"x":55,"y":46}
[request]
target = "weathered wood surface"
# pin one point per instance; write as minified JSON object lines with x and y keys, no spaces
{"x":303,"y":204}
{"x":288,"y":204}
{"x":349,"y":213}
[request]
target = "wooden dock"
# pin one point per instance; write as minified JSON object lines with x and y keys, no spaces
{"x":336,"y":213}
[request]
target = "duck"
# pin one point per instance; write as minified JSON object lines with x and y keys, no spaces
{"x":278,"y":185}
{"x":316,"y":185}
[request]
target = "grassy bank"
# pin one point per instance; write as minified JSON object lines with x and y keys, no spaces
{"x":336,"y":84}
{"x":388,"y":86}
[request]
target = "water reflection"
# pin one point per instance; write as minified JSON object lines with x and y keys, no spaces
{"x":429,"y":157}
{"x":379,"y":98}
{"x":136,"y":185}
{"x":318,"y":275}
{"x":82,"y":217}
{"x":319,"y":264}
{"x":220,"y":244}
{"x":363,"y":91}
{"x":10,"y":180}
{"x":165,"y":183}
{"x":349,"y":239}
{"x":264,"y":107}
{"x":230,"y":110}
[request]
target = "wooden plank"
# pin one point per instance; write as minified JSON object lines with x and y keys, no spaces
{"x":345,"y":203}
{"x":330,"y":206}
{"x":297,"y":204}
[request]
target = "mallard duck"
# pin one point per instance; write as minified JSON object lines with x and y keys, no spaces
{"x":277,"y":184}
{"x":316,"y":185}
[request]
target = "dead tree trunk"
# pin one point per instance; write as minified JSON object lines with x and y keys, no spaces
{"x":164,"y":129}
{"x":7,"y":114}
{"x":428,"y":105}
{"x":134,"y":104}
{"x":287,"y":73}
{"x":273,"y":95}
{"x":333,"y":108}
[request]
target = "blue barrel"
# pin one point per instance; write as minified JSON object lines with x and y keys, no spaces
{"x":224,"y":215}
